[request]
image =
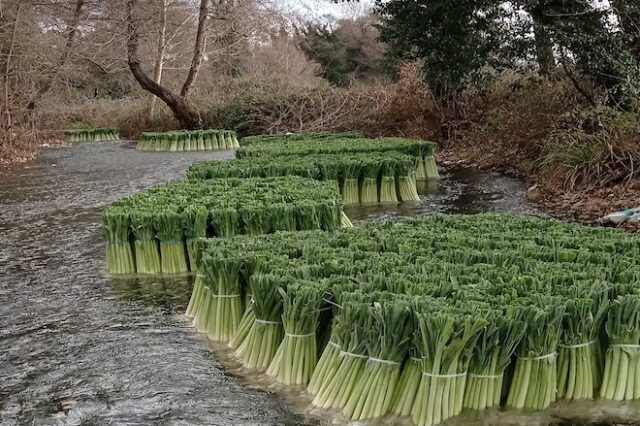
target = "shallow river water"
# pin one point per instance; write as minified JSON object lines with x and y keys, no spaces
{"x":78,"y":347}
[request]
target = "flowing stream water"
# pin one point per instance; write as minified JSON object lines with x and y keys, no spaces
{"x":79,"y":347}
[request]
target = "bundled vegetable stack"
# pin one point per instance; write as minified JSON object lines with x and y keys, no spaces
{"x":310,"y":136}
{"x":362,"y":177}
{"x":188,"y":140}
{"x":155,"y":231}
{"x":92,"y":135}
{"x":299,"y":145}
{"x":432,"y":317}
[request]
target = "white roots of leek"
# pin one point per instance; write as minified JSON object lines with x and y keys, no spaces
{"x":173,"y":257}
{"x":369,"y":193}
{"x":261,"y":344}
{"x":120,"y":259}
{"x":430,"y":167}
{"x":350,"y":191}
{"x":388,"y":190}
{"x":407,"y":188}
{"x":147,"y":256}
{"x":407,"y":387}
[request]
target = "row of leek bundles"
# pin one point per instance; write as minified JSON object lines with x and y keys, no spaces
{"x":311,"y":136}
{"x":92,"y":135}
{"x":194,"y":140}
{"x":467,"y":254}
{"x":362,"y":177}
{"x":163,"y":223}
{"x":421,"y":150}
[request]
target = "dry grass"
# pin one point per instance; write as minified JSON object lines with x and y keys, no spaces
{"x":17,"y":146}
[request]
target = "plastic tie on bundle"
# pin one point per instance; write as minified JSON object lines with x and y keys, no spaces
{"x":625,"y":346}
{"x":444,"y":376}
{"x":353,"y":355}
{"x":300,"y":336}
{"x":580,"y":345}
{"x":259,"y":321}
{"x":171,"y":241}
{"x":145,"y":240}
{"x":384,"y":361}
{"x":541,"y":357}
{"x":225,"y":296}
{"x":486,"y":376}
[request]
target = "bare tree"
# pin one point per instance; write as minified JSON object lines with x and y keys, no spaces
{"x":187,"y":116}
{"x":71,"y":31}
{"x":160,"y":52}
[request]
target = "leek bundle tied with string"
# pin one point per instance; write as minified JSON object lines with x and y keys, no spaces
{"x":261,"y":344}
{"x":147,"y":250}
{"x":297,"y":355}
{"x":387,"y":338}
{"x":534,"y":383}
{"x":120,"y":259}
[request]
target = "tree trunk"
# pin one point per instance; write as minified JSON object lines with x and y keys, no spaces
{"x":7,"y":123}
{"x":159,"y":66}
{"x":198,"y":50}
{"x":543,"y":43}
{"x":179,"y":106}
{"x":72,"y":29}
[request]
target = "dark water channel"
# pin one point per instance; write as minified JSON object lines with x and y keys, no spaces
{"x":78,"y":347}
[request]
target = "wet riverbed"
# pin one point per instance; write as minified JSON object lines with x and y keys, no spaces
{"x":79,"y":347}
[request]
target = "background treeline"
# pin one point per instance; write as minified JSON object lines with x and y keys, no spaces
{"x":541,"y":87}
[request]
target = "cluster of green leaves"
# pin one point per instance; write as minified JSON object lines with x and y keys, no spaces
{"x":188,"y":140}
{"x":483,"y":304}
{"x":457,"y":40}
{"x":175,"y":214}
{"x":338,"y":145}
{"x":314,"y":136}
{"x":92,"y":135}
{"x":328,"y":167}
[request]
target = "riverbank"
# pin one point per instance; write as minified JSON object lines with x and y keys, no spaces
{"x":23,"y":150}
{"x":582,"y":204}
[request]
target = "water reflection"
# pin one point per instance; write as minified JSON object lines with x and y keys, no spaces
{"x":460,"y":191}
